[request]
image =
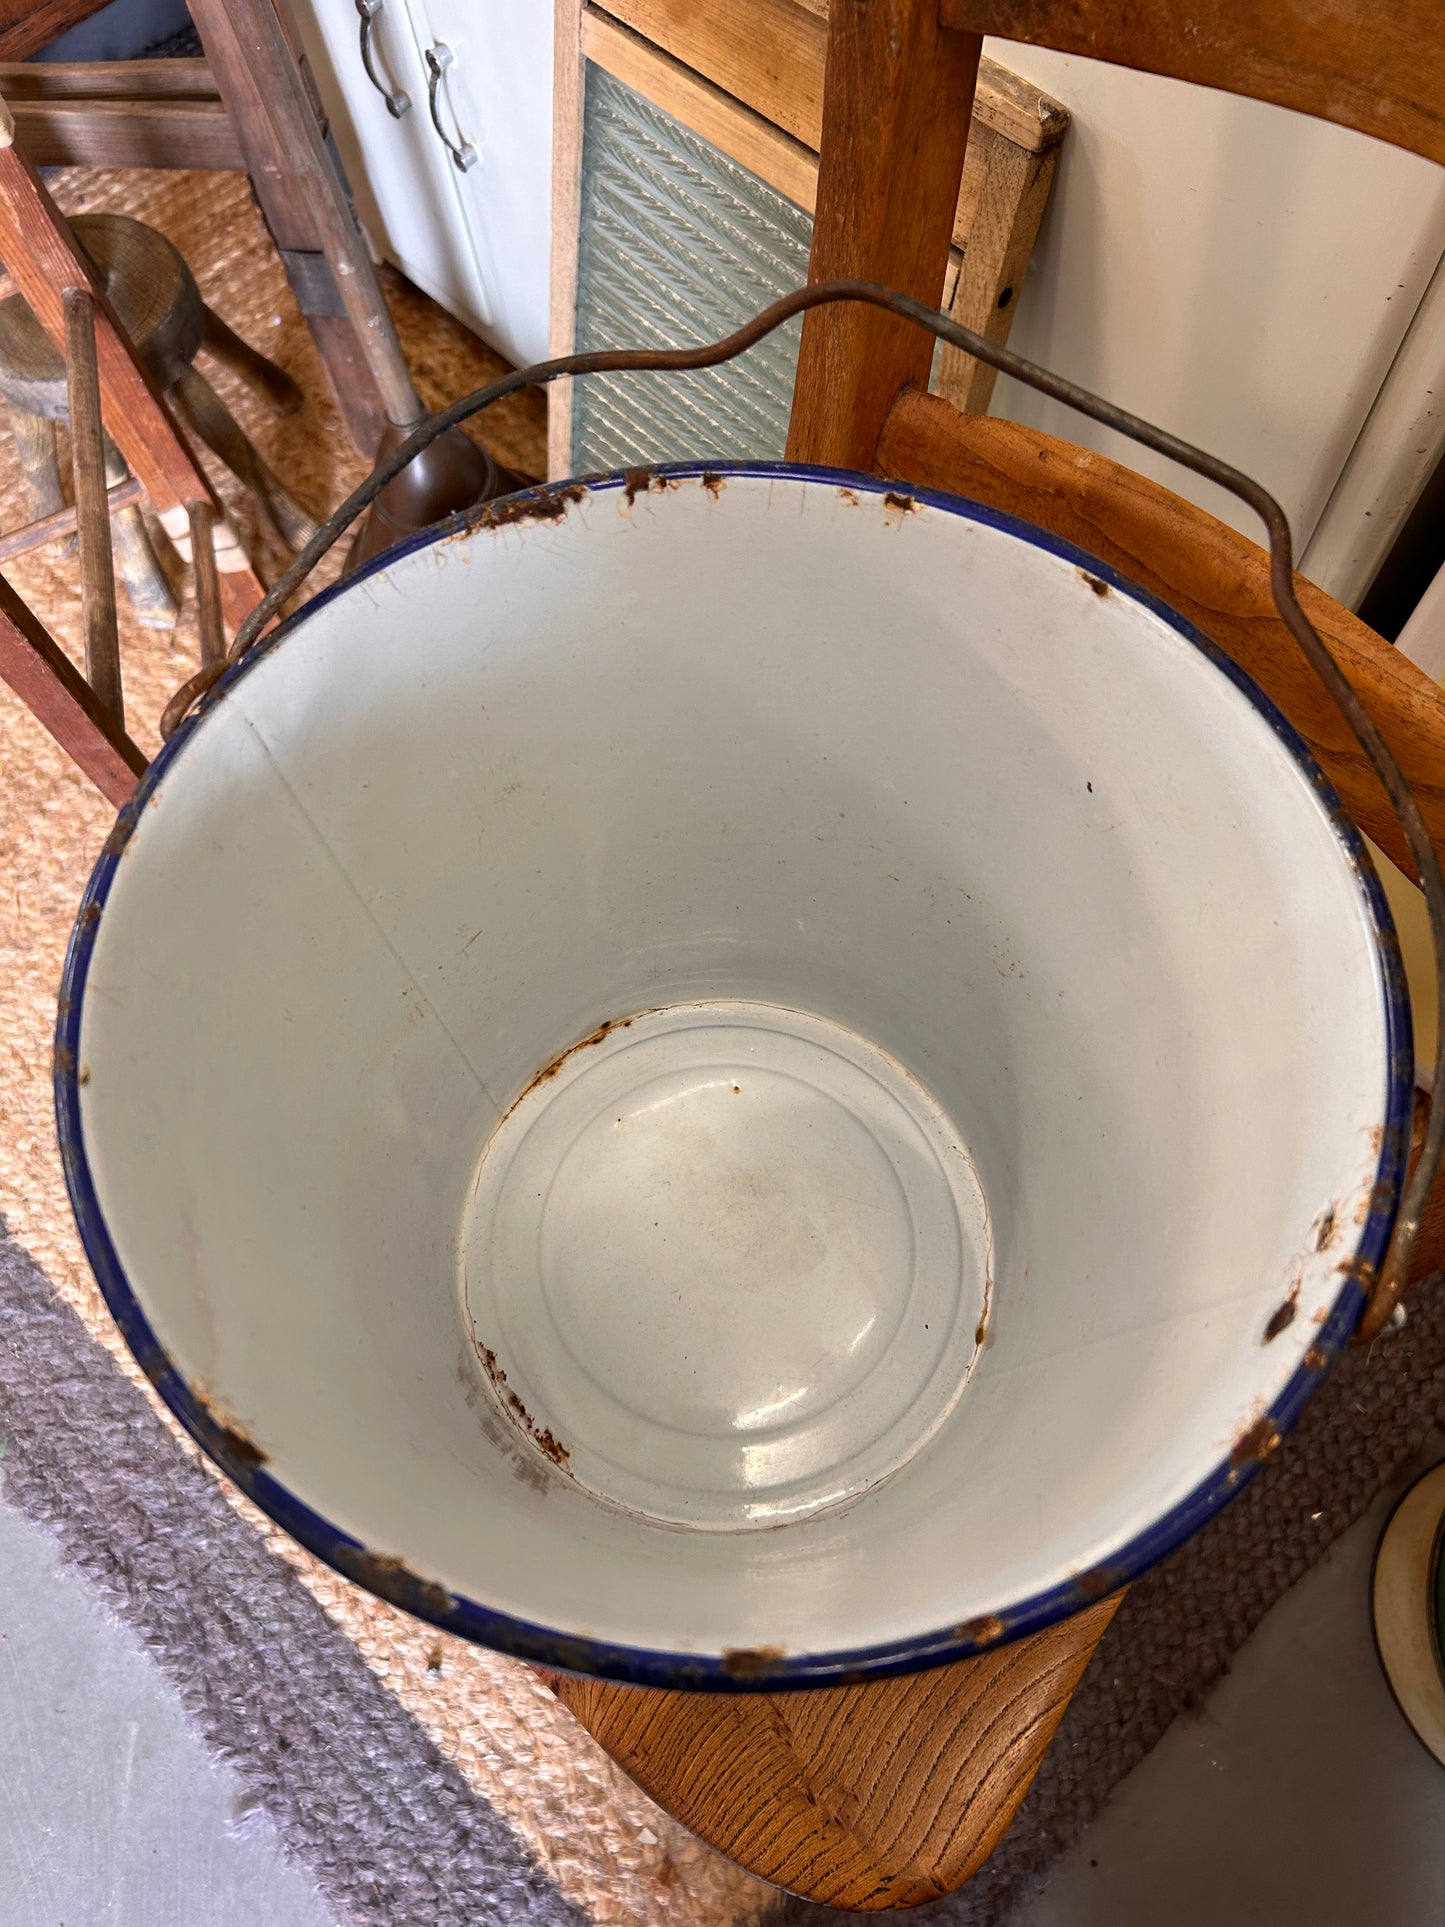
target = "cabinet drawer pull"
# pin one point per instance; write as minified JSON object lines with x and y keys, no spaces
{"x":398,"y":102}
{"x":438,"y":59}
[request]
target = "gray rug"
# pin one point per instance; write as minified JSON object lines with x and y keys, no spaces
{"x":390,"y":1831}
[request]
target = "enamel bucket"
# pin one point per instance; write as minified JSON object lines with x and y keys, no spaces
{"x":735,"y":1077}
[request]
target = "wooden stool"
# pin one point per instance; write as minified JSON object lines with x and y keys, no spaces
{"x":155,"y":297}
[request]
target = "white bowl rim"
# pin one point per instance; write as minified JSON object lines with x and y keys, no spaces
{"x":388,"y":1578}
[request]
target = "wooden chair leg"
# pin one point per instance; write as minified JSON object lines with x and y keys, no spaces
{"x":92,"y":510}
{"x":53,"y":689}
{"x":251,"y":365}
{"x":219,"y":429}
{"x":208,"y":584}
{"x":35,"y":445}
{"x":147,"y":590}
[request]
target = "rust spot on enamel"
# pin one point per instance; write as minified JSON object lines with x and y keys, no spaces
{"x":637,"y":481}
{"x":1095,"y":1584}
{"x":539,"y":505}
{"x":540,"y":1435}
{"x":1096,"y":583}
{"x":985,"y":1631}
{"x":390,"y":1576}
{"x":1361,"y":1270}
{"x":1283,"y":1316}
{"x":901,"y":504}
{"x":751,"y":1662}
{"x":1254,"y":1445}
{"x":714,"y":483}
{"x":234,"y":1436}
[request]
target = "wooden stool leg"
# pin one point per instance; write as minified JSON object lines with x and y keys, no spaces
{"x":35,"y":445}
{"x":146,"y":587}
{"x":219,"y":429}
{"x":242,"y":359}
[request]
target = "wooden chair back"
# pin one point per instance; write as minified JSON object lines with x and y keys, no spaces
{"x":1376,"y":67}
{"x":897,"y":99}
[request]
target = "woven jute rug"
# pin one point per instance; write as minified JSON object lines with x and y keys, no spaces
{"x":420,"y":1780}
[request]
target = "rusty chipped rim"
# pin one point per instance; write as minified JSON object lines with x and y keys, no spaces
{"x":386,"y":1575}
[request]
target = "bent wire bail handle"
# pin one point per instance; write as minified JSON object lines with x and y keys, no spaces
{"x":1385,"y":1288}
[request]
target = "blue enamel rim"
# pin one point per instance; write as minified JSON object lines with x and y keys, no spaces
{"x":765,"y":1671}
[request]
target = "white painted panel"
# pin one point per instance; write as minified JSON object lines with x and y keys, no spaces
{"x":1236,"y":272}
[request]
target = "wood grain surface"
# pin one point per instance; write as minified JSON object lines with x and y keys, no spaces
{"x":120,"y":113}
{"x":1377,"y":67}
{"x":127,"y":133}
{"x":1003,"y":211}
{"x":770,"y":56}
{"x":759,"y":144}
{"x":890,"y":163}
{"x":92,"y":510}
{"x":1209,"y":573}
{"x":870,"y":1797}
{"x":739,"y":131}
{"x":28,"y":25}
{"x":304,"y":199}
{"x":566,"y":222}
{"x":53,"y":689}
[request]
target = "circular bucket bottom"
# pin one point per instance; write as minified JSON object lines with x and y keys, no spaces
{"x":728,"y":1263}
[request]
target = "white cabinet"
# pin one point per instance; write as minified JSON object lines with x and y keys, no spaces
{"x":448,"y":146}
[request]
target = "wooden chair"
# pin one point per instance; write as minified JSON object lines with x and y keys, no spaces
{"x":108,"y":388}
{"x":888,"y":1795}
{"x":158,"y":304}
{"x":250,"y":104}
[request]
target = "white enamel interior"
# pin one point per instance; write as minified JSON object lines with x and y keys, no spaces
{"x":776,"y":743}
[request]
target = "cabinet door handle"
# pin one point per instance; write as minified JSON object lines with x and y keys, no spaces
{"x":397,"y":103}
{"x":438,"y":59}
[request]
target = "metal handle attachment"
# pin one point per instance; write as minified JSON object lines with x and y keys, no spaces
{"x":1382,"y":1288}
{"x":397,"y":102}
{"x":438,"y":59}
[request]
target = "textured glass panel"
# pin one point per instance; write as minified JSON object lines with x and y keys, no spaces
{"x":678,"y":245}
